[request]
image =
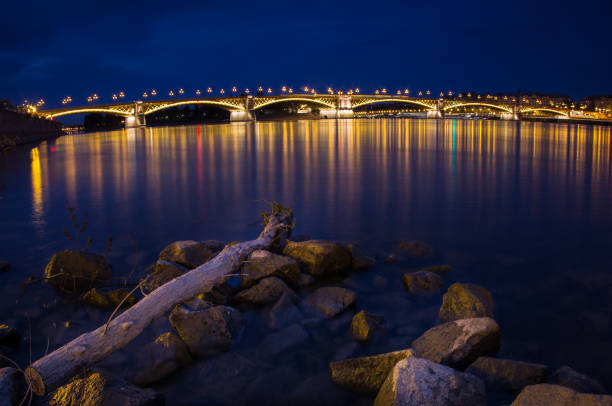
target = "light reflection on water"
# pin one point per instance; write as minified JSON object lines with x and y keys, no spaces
{"x":523,"y":208}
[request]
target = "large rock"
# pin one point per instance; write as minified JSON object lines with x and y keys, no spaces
{"x":466,"y":301}
{"x":365,"y":324}
{"x":189,"y":253}
{"x":209,"y":330}
{"x":161,"y":273}
{"x":76,"y":271}
{"x":416,"y":249}
{"x":507,"y":374}
{"x":280,"y":341}
{"x":423,"y":282}
{"x":416,"y":381}
{"x":554,"y":395}
{"x":262,"y":264}
{"x":160,"y":359}
{"x":267,"y":290}
{"x":9,"y":387}
{"x":366,"y":374}
{"x":9,"y":337}
{"x":361,"y":260}
{"x":320,"y":257}
{"x":330,"y":301}
{"x":103,"y":389}
{"x":284,"y":312}
{"x":570,"y":378}
{"x":459,"y":343}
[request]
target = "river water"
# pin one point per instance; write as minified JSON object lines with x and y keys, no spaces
{"x":522,"y":208}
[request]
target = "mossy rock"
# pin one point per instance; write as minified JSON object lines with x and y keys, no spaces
{"x":320,"y":257}
{"x":161,"y":273}
{"x":189,"y":253}
{"x":76,"y":272}
{"x":262,"y":264}
{"x":116,"y":297}
{"x":365,"y":324}
{"x":465,"y":301}
{"x":95,"y":298}
{"x":507,"y":374}
{"x":267,"y":290}
{"x":423,"y":282}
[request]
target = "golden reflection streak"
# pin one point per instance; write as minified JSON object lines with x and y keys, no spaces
{"x":37,"y":194}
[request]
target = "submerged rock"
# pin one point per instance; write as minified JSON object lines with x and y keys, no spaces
{"x":160,"y":359}
{"x":100,"y":389}
{"x":262,"y":264}
{"x":320,"y":257}
{"x":116,"y":297}
{"x":416,"y":249}
{"x":459,"y":343}
{"x":570,"y":378}
{"x":439,"y":269}
{"x":209,"y":330}
{"x":267,"y":290}
{"x":4,"y":266}
{"x":162,"y":272}
{"x":277,"y":342}
{"x":94,"y":298}
{"x":423,"y":282}
{"x":9,"y":387}
{"x":361,"y":260}
{"x":545,"y":394}
{"x":465,"y":301}
{"x":284,"y":312}
{"x":507,"y":374}
{"x":365,"y":324}
{"x":76,"y":271}
{"x":366,"y":374}
{"x":9,"y":337}
{"x":330,"y":301}
{"x":189,"y":253}
{"x":416,"y":381}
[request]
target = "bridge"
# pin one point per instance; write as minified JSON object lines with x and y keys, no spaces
{"x":243,"y":108}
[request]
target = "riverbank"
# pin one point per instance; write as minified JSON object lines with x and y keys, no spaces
{"x":19,"y":129}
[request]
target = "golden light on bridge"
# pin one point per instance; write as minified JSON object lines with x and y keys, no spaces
{"x":145,"y":95}
{"x":269,"y":91}
{"x":247,"y":91}
{"x":222,"y":91}
{"x":198,"y":92}
{"x":234,"y":90}
{"x":181,"y":91}
{"x":384,"y":91}
{"x":154,"y":92}
{"x":377,"y":91}
{"x":284,"y":89}
{"x":171,"y":93}
{"x":290,"y":90}
{"x":121,"y":94}
{"x":209,"y":90}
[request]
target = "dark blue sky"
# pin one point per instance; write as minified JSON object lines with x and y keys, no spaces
{"x":74,"y":48}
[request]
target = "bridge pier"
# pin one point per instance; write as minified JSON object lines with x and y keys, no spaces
{"x":237,"y":116}
{"x":138,"y":118}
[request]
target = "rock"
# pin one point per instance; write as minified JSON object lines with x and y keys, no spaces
{"x":222,"y":294}
{"x":162,"y":273}
{"x":9,"y":387}
{"x":277,"y":342}
{"x":459,"y":343}
{"x":9,"y":337}
{"x":438,"y":269}
{"x":304,"y":280}
{"x":209,"y":330}
{"x":4,"y":266}
{"x":554,"y":395}
{"x":319,"y":257}
{"x":117,"y":295}
{"x":361,"y":260}
{"x":366,"y":374}
{"x":365,"y":324}
{"x":284,"y":312}
{"x":392,"y":258}
{"x":423,"y":282}
{"x":466,"y":301}
{"x":101,"y":389}
{"x":188,"y":253}
{"x":507,"y":374}
{"x":262,"y":264}
{"x":76,"y":271}
{"x":416,"y":249}
{"x":329,"y":301}
{"x":416,"y":381}
{"x":97,"y":299}
{"x":160,"y":359}
{"x":570,"y":378}
{"x":267,"y":290}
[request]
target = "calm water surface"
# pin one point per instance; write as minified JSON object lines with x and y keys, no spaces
{"x":521,"y":208}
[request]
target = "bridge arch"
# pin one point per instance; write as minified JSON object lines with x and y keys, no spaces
{"x":274,"y":101}
{"x":453,"y":106}
{"x":561,"y":113}
{"x":372,"y":101}
{"x":88,"y":110}
{"x":227,"y":106}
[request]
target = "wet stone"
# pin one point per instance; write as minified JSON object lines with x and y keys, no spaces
{"x":365,"y":324}
{"x":545,"y":394}
{"x":189,"y":253}
{"x":160,"y":359}
{"x":118,"y":295}
{"x":319,"y":257}
{"x":438,"y":269}
{"x":265,"y":291}
{"x":416,"y":249}
{"x":465,"y":301}
{"x":262,"y":264}
{"x":570,"y":378}
{"x":361,"y":260}
{"x":304,"y":280}
{"x":507,"y":374}
{"x":416,"y":381}
{"x":94,"y":298}
{"x":423,"y":282}
{"x":284,"y":312}
{"x":161,"y":273}
{"x":330,"y":301}
{"x":282,"y":340}
{"x":459,"y":343}
{"x":76,"y":272}
{"x":9,"y":337}
{"x":366,"y":374}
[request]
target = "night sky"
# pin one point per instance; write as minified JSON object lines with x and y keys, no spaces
{"x":75,"y":48}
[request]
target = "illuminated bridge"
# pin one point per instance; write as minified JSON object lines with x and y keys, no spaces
{"x":243,"y":108}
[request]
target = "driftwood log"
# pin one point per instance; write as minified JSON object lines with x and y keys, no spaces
{"x":54,"y":369}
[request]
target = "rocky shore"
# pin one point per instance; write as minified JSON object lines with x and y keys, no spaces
{"x":282,"y":301}
{"x":19,"y":129}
